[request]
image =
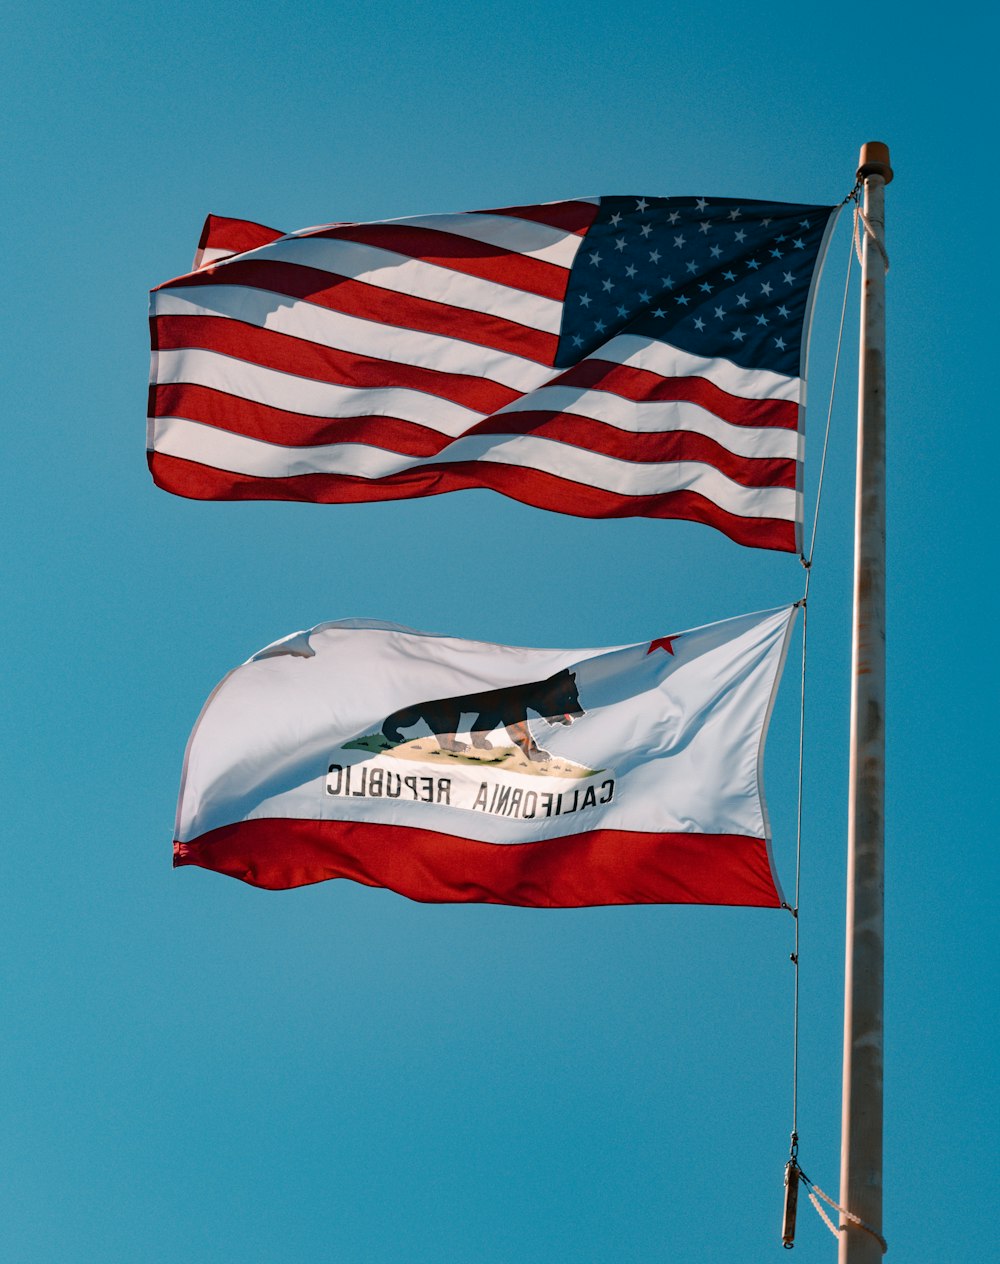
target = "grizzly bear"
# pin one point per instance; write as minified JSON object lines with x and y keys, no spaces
{"x":556,"y":699}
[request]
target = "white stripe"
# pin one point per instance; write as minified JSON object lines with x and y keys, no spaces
{"x":352,"y":334}
{"x":659,"y":417}
{"x":305,"y":395}
{"x":403,"y":275}
{"x":207,"y":255}
{"x":660,"y":357}
{"x":521,"y":236}
{"x":223,"y":450}
{"x":295,"y":394}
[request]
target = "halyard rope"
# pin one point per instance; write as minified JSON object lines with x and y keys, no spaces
{"x":807,"y":561}
{"x":815,"y":1193}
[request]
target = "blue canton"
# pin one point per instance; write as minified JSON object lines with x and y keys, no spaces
{"x":713,"y":276}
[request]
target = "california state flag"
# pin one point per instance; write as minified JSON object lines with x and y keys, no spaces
{"x":459,"y":770}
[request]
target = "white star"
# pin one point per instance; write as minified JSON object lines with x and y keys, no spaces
{"x":799,"y":244}
{"x":719,"y":313}
{"x":776,"y":254}
{"x":623,"y":312}
{"x":599,"y":327}
{"x":641,"y":204}
{"x":735,"y":214}
{"x":780,"y":343}
{"x":765,"y":222}
{"x":705,"y":287}
{"x":595,"y":258}
{"x":667,"y":282}
{"x":630,"y":271}
{"x":729,"y":276}
{"x":715,"y":252}
{"x":783,"y":310}
{"x":739,"y":335}
{"x":692,"y":267}
{"x":577,"y":341}
{"x":701,"y":204}
{"x":699,"y":324}
{"x":615,"y":220}
{"x":742,"y":300}
{"x":741,"y":235}
{"x":659,"y":312}
{"x":683,"y":300}
{"x":679,"y":241}
{"x":704,"y":226}
{"x":765,"y":288}
{"x":643,"y":296}
{"x":762,"y":319}
{"x":585,"y":300}
{"x":646,"y":229}
{"x":781,"y":237}
{"x":608,"y":285}
{"x":654,"y":256}
{"x":753,"y":264}
{"x":674,"y":216}
{"x":803,"y":223}
{"x":788,"y":278}
{"x":619,"y":243}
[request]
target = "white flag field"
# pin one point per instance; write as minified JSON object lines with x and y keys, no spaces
{"x":455,"y":770}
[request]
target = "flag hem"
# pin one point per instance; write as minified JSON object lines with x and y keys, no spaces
{"x":779,"y":671}
{"x":807,"y":320}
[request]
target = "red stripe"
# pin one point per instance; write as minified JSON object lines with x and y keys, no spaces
{"x":645,"y":386}
{"x":370,"y":302}
{"x":459,"y":254}
{"x":530,"y":487}
{"x":235,"y":235}
{"x":394,"y":434}
{"x":642,"y":446}
{"x":275,"y":425}
{"x":312,"y":360}
{"x":573,"y":217}
{"x":596,"y":867}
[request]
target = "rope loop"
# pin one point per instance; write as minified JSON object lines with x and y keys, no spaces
{"x":815,"y":1193}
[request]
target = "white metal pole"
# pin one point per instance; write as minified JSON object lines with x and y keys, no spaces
{"x":861,"y":1137}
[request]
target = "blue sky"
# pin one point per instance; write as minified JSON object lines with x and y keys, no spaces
{"x":195,"y":1070}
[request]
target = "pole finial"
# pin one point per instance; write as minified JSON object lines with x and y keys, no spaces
{"x":874,"y":160}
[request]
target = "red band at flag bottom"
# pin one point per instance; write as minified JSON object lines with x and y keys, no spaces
{"x":597,"y":867}
{"x":530,"y":487}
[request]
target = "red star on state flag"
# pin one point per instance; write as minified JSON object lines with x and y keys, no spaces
{"x":662,"y":643}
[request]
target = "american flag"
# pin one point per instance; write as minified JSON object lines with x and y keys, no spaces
{"x":604,"y":357}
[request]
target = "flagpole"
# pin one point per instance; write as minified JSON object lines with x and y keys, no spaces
{"x":861,"y":1136}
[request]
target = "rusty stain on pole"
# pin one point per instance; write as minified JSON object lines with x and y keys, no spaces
{"x":861,"y":1137}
